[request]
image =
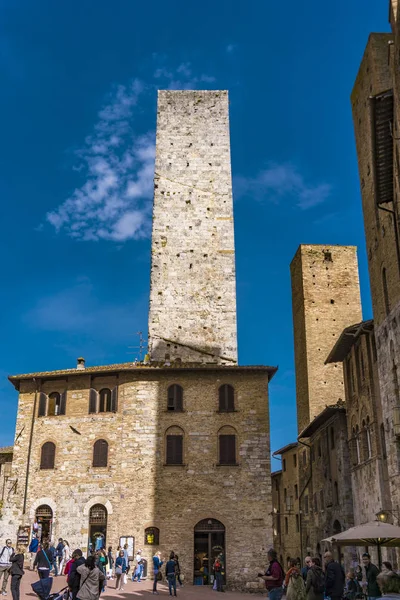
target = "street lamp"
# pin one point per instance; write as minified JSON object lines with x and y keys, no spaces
{"x":383,"y":515}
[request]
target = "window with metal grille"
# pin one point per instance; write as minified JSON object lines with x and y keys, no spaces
{"x":152,"y":536}
{"x":98,"y":515}
{"x":226,"y":398}
{"x":174,"y":453}
{"x":100,"y":453}
{"x":227,"y":449}
{"x":48,"y":454}
{"x":175,"y":397}
{"x":44,"y":512}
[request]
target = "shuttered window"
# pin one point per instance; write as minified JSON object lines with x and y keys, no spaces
{"x":42,"y":405}
{"x":48,"y":455}
{"x":63,"y":403}
{"x":174,"y":450}
{"x":104,"y":401}
{"x":92,"y":401}
{"x":226,"y":398}
{"x":227,"y":450}
{"x":100,"y":453}
{"x":175,"y":397}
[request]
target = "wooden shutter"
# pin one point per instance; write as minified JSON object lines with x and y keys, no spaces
{"x":175,"y":397}
{"x":227,"y":449}
{"x":42,"y":405}
{"x":174,"y":449}
{"x":48,"y":456}
{"x":100,"y":453}
{"x":226,"y":398}
{"x":114,"y":399}
{"x":102,"y":400}
{"x":92,"y":401}
{"x":63,"y":403}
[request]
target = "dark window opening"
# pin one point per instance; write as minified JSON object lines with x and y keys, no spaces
{"x":383,"y":441}
{"x":226,"y":398}
{"x":175,"y":398}
{"x":48,"y":455}
{"x":174,"y":450}
{"x":286,"y":525}
{"x":327,"y":256}
{"x":332,"y":434}
{"x":284,"y":464}
{"x":100,"y":453}
{"x":295,"y":460}
{"x":336,"y":493}
{"x":296,"y":491}
{"x":227,"y":449}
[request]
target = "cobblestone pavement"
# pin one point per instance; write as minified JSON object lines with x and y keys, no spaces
{"x":131,"y":591}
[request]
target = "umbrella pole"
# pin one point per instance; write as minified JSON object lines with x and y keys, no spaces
{"x":379,"y":556}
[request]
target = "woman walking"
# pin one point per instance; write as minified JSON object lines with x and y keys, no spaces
{"x":315,"y":584}
{"x":66,"y":553}
{"x":43,"y":562}
{"x":91,"y":580}
{"x":110,"y":563}
{"x":157,"y":564}
{"x":17,"y":570}
{"x":120,"y":570}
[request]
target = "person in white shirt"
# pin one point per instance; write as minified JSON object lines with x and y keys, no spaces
{"x":138,"y":567}
{"x":66,"y":554}
{"x":5,"y":564}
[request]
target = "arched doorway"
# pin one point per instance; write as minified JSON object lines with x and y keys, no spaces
{"x":43,"y":521}
{"x":209,"y":541}
{"x":97,"y":527}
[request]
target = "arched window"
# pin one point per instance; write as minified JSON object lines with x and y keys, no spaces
{"x":175,"y":397}
{"x":385,"y":291}
{"x":52,"y":405}
{"x":332,"y":435}
{"x":355,"y":449}
{"x":100,"y":453}
{"x":383,"y":441}
{"x":227,"y":446}
{"x":226,"y":398}
{"x":152,"y":536}
{"x":337,"y":528}
{"x":48,"y":455}
{"x":103,"y":401}
{"x":174,"y":446}
{"x":335,"y":493}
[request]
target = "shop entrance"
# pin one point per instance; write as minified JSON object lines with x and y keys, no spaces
{"x":97,"y":528}
{"x":209,"y":542}
{"x":43,"y":522}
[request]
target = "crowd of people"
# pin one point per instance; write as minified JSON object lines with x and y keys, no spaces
{"x":318,"y":582}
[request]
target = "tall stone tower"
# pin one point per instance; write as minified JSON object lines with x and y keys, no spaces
{"x":326,"y":299}
{"x":192,"y":313}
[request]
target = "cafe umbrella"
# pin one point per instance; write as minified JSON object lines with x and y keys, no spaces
{"x":374,"y":533}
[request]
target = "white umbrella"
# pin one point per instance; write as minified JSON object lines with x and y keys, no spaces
{"x":374,"y":533}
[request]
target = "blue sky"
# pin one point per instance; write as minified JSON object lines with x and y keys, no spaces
{"x":78,"y":108}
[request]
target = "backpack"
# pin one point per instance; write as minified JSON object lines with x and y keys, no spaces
{"x":217,"y":566}
{"x":318,"y":582}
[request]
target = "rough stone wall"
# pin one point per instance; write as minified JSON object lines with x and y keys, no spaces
{"x":325,"y":467}
{"x":375,"y":77}
{"x":193,"y":289}
{"x":5,"y":472}
{"x":326,"y":299}
{"x":136,"y":488}
{"x":369,"y":470}
{"x":286,"y":485}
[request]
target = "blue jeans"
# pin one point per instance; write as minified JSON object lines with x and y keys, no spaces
{"x":172,"y":584}
{"x":275,"y":593}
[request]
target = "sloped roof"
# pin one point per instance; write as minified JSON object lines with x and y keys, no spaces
{"x":347,"y":339}
{"x":7,"y":450}
{"x":285,"y":449}
{"x":322,"y":418}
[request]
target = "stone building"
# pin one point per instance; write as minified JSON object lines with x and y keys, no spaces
{"x":285,"y":502}
{"x":375,"y":103}
{"x":173,"y":452}
{"x":6,"y":454}
{"x":325,"y":298}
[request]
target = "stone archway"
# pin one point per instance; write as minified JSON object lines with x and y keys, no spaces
{"x":97,"y":500}
{"x":209,"y":542}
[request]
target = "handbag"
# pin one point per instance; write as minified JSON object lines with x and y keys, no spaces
{"x":118,"y":570}
{"x":159,"y":576}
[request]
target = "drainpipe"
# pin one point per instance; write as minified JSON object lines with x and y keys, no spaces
{"x":300,"y":497}
{"x":37,"y":384}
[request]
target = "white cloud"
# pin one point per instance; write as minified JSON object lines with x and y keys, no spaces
{"x":114,"y":163}
{"x":114,"y":201}
{"x":281,"y":181}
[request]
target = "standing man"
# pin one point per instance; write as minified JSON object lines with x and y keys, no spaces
{"x":5,"y":564}
{"x":274,"y":576}
{"x":33,"y":548}
{"x":59,"y":555}
{"x":306,"y":568}
{"x":334,"y":578}
{"x":371,"y":572}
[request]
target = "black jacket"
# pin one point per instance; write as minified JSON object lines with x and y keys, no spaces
{"x":334,"y":580}
{"x":17,"y":564}
{"x":42,"y":561}
{"x":74,"y":579}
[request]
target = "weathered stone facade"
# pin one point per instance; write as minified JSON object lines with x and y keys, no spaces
{"x":137,"y":487}
{"x":5,"y":473}
{"x":326,"y":298}
{"x":193,"y":295}
{"x":285,"y":500}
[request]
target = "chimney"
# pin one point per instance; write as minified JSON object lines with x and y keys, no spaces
{"x":80,"y":364}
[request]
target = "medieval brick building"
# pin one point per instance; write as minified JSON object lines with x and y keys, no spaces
{"x":173,"y":452}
